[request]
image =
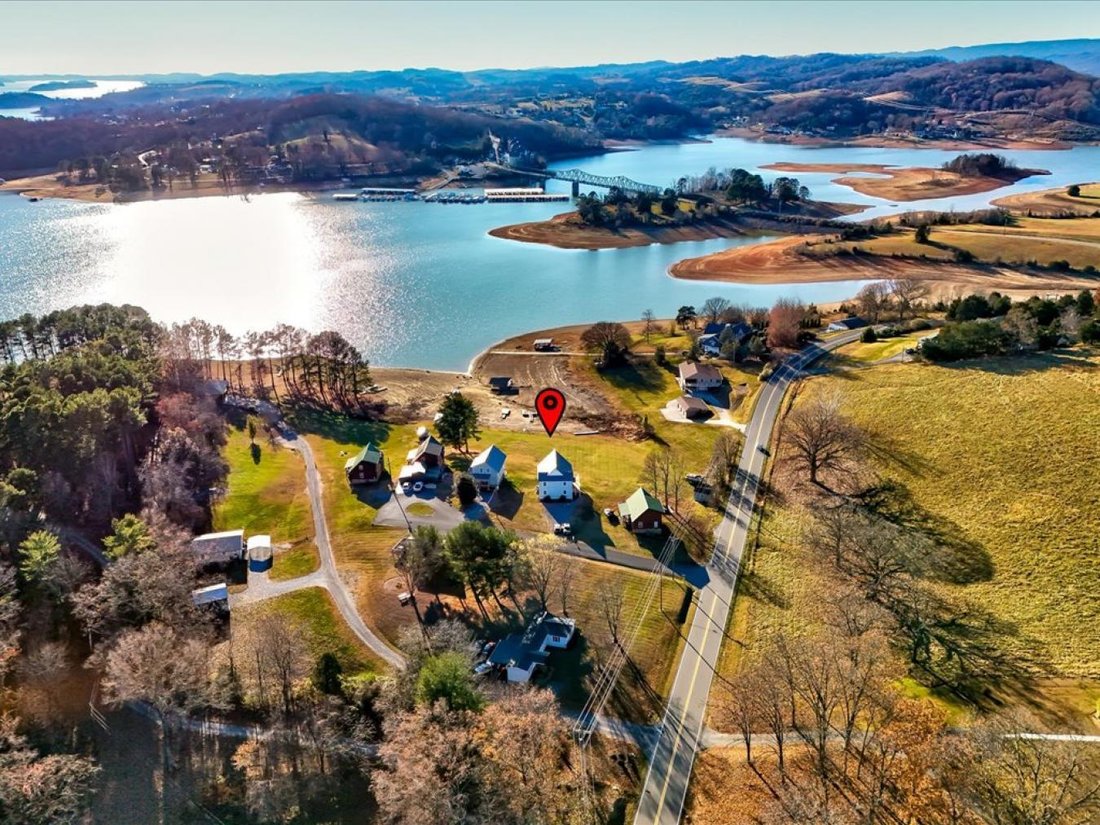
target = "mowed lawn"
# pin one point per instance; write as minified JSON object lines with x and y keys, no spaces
{"x":266,"y":493}
{"x":1004,"y":453}
{"x":313,"y":612}
{"x":884,"y":348}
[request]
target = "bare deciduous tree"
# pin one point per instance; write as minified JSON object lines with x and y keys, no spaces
{"x":823,"y":440}
{"x":907,"y":294}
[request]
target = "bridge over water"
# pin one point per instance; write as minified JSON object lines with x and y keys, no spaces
{"x":578,"y":177}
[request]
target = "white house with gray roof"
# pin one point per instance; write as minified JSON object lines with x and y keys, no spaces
{"x":488,"y":467}
{"x":556,"y":481}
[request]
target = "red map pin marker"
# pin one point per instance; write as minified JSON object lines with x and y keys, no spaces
{"x":550,"y":405}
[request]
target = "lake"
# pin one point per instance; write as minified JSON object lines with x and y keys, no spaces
{"x":102,"y":87}
{"x":410,"y":284}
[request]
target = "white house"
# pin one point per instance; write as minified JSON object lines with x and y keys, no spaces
{"x":488,"y":468}
{"x":695,"y":376}
{"x":218,"y":548}
{"x":520,"y":654}
{"x":555,"y":478}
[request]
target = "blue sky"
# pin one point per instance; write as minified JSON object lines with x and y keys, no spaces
{"x":268,"y":37}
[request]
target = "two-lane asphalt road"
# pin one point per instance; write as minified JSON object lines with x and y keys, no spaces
{"x":665,"y":789}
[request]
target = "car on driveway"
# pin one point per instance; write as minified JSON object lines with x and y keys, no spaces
{"x":611,"y":515}
{"x":564,"y":529}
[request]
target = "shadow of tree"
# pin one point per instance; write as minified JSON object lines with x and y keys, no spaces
{"x":948,"y":554}
{"x":752,"y":584}
{"x":336,"y":426}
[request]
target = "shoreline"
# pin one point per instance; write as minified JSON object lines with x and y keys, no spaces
{"x":908,"y":183}
{"x":883,"y":142}
{"x":564,"y":231}
{"x":778,"y":262}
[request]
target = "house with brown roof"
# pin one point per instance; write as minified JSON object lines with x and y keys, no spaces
{"x":694,"y":376}
{"x":687,"y":406}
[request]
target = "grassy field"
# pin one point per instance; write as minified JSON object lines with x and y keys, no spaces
{"x":1044,"y":240}
{"x":313,"y":611}
{"x":266,"y":493}
{"x":1001,"y":454}
{"x":885,"y":348}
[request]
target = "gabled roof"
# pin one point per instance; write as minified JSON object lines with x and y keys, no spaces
{"x":492,"y":457}
{"x":639,"y":502}
{"x":514,"y":651}
{"x":554,"y":467}
{"x":713,"y":328}
{"x":429,"y":446}
{"x":706,"y":372}
{"x":229,"y":543}
{"x":211,"y":594}
{"x":690,"y":402}
{"x":853,"y":322}
{"x":370,"y":454}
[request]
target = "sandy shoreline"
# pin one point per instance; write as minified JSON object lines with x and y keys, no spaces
{"x":882,"y":142}
{"x":909,"y":183}
{"x":779,"y":262}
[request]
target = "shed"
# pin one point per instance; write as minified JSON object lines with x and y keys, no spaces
{"x":218,"y":548}
{"x":544,"y":344}
{"x":259,"y":554}
{"x":642,"y":512}
{"x":488,"y":467}
{"x":501,"y":385}
{"x":555,"y":478}
{"x":365,"y":467}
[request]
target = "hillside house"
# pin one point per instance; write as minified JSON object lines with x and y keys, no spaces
{"x":555,"y":478}
{"x":521,"y":654}
{"x":715,"y":335}
{"x":642,"y":512}
{"x":694,"y":377}
{"x":365,"y":467}
{"x":544,"y":345}
{"x":487,"y":468}
{"x":218,"y":548}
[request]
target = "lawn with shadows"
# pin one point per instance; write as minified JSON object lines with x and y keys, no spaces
{"x":313,"y":612}
{"x":266,"y":493}
{"x":997,"y":462}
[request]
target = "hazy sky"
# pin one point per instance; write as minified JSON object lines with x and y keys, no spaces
{"x":271,"y":36}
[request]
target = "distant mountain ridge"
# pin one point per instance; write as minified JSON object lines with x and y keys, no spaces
{"x":1081,"y":55}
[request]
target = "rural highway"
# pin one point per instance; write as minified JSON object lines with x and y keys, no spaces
{"x":666,"y":783}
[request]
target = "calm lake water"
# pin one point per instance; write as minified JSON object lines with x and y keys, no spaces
{"x":102,"y":87}
{"x":411,"y":284}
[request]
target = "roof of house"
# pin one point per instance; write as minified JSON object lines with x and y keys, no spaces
{"x":513,"y":651}
{"x":852,"y":322}
{"x":543,"y":341}
{"x":208,"y":595}
{"x":555,"y":467}
{"x":370,"y":454}
{"x":492,"y":457}
{"x":429,"y":446}
{"x":227,"y":543}
{"x":638,"y":503}
{"x":547,"y":624}
{"x":705,"y":372}
{"x":690,"y":402}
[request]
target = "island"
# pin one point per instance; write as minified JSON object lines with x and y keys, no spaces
{"x":965,"y":175}
{"x":61,"y":85}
